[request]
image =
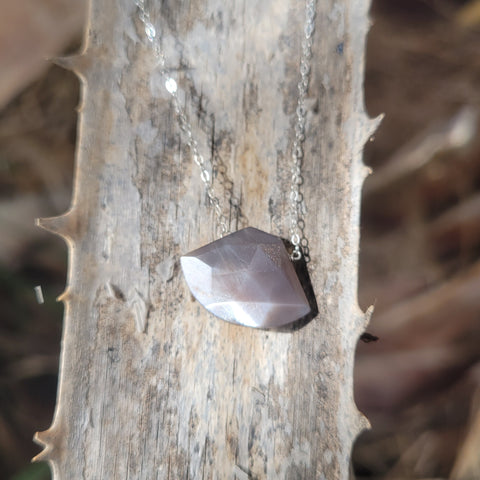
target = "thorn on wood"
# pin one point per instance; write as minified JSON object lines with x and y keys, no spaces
{"x":63,"y":62}
{"x":64,"y":296}
{"x":43,"y":456}
{"x":59,"y":225}
{"x":371,"y":126}
{"x":362,"y":423}
{"x":375,"y":122}
{"x":44,"y":439}
{"x":366,"y":171}
{"x":74,"y":63}
{"x":366,"y":317}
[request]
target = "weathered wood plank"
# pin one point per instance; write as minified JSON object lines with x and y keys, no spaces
{"x":151,"y":385}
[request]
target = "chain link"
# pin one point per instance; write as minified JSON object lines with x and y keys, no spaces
{"x":184,"y":123}
{"x":297,"y":224}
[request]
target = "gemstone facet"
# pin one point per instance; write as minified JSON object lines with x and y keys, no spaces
{"x":247,"y":278}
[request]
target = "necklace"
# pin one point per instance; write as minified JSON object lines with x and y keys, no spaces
{"x":247,"y":277}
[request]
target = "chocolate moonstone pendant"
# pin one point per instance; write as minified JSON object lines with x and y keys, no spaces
{"x":247,"y":278}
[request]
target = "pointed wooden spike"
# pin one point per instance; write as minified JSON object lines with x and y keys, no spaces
{"x":64,"y":296}
{"x":65,"y":62}
{"x":371,"y":126}
{"x":366,"y":171}
{"x":43,"y":456}
{"x":367,"y":316}
{"x":44,"y":440}
{"x":363,"y":423}
{"x":75,"y":63}
{"x":375,"y":123}
{"x":60,"y":225}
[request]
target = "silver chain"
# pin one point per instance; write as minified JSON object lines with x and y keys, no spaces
{"x":297,"y":223}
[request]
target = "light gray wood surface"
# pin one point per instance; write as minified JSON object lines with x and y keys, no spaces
{"x":151,"y":385}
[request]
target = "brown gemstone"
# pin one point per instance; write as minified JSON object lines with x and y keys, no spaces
{"x":247,"y":278}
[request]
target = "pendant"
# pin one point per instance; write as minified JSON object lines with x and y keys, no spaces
{"x":246,"y":278}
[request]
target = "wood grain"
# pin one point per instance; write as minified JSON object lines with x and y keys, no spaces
{"x":151,"y":385}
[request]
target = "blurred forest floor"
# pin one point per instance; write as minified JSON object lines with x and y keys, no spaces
{"x":419,"y":253}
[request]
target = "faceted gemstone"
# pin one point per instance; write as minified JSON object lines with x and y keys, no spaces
{"x":247,"y":278}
